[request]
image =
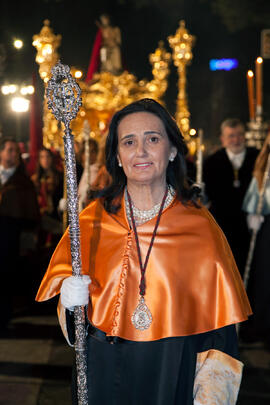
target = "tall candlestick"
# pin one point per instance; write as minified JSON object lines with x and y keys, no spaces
{"x":199,"y":160}
{"x":250,"y":86}
{"x":259,"y":62}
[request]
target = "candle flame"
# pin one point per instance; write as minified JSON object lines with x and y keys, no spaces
{"x":259,"y":60}
{"x":250,"y":73}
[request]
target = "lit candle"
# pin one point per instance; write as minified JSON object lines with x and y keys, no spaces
{"x":259,"y":62}
{"x":250,"y":86}
{"x":199,"y":160}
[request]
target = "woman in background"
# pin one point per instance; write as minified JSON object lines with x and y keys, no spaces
{"x":258,"y":327}
{"x":90,"y":177}
{"x":48,"y":182}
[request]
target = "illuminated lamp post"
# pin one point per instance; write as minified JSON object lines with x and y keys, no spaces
{"x":18,"y":103}
{"x":18,"y":43}
{"x":46,"y":43}
{"x":181,"y":44}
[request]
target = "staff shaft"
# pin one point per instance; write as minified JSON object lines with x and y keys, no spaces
{"x":75,"y":247}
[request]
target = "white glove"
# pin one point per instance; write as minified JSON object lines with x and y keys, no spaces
{"x":254,"y":221}
{"x":75,"y":291}
{"x":62,"y":206}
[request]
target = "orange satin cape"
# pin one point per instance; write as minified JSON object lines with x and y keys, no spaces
{"x":192,"y":282}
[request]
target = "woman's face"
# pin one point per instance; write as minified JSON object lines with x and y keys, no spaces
{"x":45,"y":160}
{"x":144,"y":148}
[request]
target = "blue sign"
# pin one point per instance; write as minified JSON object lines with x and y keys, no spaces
{"x":223,"y":64}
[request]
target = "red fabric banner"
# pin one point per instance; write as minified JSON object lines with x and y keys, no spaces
{"x":36,"y":138}
{"x":95,"y":57}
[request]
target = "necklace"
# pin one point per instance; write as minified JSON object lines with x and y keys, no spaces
{"x":142,"y":317}
{"x":142,"y":216}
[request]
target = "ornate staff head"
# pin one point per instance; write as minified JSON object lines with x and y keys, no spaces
{"x":63,"y":94}
{"x":64,"y":100}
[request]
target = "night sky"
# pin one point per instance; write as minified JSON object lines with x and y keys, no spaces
{"x":213,"y":96}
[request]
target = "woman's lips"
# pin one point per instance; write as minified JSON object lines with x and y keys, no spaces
{"x":146,"y":164}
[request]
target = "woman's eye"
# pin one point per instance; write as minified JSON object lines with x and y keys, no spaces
{"x":128,"y":142}
{"x":154,"y":139}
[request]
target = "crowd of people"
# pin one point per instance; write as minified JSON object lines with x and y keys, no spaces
{"x":32,"y":206}
{"x":144,"y":163}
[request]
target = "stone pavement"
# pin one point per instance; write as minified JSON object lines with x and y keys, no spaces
{"x":35,"y":363}
{"x":255,"y":387}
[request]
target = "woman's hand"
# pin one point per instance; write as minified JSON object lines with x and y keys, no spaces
{"x":75,"y":291}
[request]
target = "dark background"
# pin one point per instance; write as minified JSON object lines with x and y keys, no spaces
{"x":223,"y":29}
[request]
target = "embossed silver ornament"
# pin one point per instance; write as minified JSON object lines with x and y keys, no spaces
{"x":64,"y":99}
{"x":142,"y":317}
{"x":63,"y":94}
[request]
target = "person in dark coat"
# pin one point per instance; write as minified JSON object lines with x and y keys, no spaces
{"x":227,"y":174}
{"x":18,"y":213}
{"x":258,"y":286}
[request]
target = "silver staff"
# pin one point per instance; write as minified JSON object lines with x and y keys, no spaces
{"x":64,"y":99}
{"x":258,"y":212}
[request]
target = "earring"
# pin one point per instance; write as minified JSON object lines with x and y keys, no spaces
{"x":119,"y":164}
{"x":171,"y":158}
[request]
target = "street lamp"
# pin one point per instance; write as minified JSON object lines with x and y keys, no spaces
{"x":18,"y":43}
{"x":19,"y":104}
{"x":9,"y":89}
{"x":27,"y":90}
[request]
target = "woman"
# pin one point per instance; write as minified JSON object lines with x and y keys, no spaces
{"x":103,"y":179}
{"x":49,"y":186}
{"x":165,"y":292}
{"x":90,"y":177}
{"x":258,"y":327}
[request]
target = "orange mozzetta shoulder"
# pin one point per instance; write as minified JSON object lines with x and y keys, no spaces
{"x":192,"y":283}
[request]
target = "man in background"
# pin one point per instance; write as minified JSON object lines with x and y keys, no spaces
{"x":18,"y":213}
{"x":227,"y":174}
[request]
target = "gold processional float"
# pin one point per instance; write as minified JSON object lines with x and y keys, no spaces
{"x":113,"y":88}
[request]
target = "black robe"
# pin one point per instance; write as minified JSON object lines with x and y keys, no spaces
{"x":226,"y":200}
{"x":18,"y":212}
{"x":257,"y":328}
{"x":161,"y":372}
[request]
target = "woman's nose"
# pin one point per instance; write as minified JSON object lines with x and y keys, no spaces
{"x":141,"y":150}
